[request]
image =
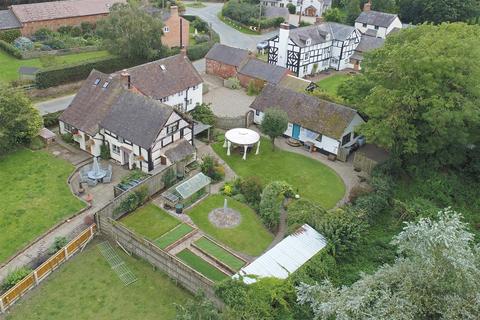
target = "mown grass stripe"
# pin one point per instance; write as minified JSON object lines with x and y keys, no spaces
{"x":202,"y":266}
{"x":173,"y":235}
{"x":219,"y":253}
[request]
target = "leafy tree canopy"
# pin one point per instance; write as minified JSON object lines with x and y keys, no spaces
{"x":420,"y":92}
{"x":435,"y":277}
{"x":274,"y":123}
{"x":203,"y":113}
{"x":132,"y":33}
{"x":19,"y":120}
{"x":333,"y":15}
{"x":419,"y":11}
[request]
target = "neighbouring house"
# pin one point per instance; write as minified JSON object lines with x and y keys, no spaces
{"x":376,"y":23}
{"x":285,"y":257}
{"x":8,"y":21}
{"x":52,"y":15}
{"x":175,"y":29}
{"x":368,"y":43}
{"x":137,"y":113}
{"x":226,"y":62}
{"x":311,"y":49}
{"x":311,"y":8}
{"x":327,"y":126}
{"x":138,"y":130}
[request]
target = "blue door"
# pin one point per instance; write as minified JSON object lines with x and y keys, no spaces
{"x":296,"y":131}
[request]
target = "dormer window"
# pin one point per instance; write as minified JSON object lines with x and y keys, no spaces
{"x":364,"y":25}
{"x":376,"y":27}
{"x":308,"y":42}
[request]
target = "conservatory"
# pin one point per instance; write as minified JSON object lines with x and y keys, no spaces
{"x":187,"y":192}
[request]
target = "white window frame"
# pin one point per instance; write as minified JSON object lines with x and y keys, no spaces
{"x":115,"y":149}
{"x":166,"y":29}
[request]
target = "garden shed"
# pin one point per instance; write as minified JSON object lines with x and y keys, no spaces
{"x":286,"y":256}
{"x":187,"y":192}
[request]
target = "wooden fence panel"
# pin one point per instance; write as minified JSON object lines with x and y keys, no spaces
{"x":34,"y":278}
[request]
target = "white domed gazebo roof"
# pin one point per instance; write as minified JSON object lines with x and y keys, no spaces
{"x":242,"y":136}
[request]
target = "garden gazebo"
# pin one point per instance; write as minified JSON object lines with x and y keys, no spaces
{"x":242,"y":137}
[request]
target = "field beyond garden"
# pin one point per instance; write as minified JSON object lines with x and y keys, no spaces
{"x":9,"y":65}
{"x":87,"y":288}
{"x":310,"y":178}
{"x":35,"y":196}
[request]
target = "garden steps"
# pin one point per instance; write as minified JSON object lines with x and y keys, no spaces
{"x":186,"y":243}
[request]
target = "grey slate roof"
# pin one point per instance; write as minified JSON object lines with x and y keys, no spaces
{"x":376,"y":18}
{"x":179,"y":150}
{"x":227,"y":55}
{"x":137,"y":118}
{"x":263,"y":70}
{"x":8,"y":20}
{"x":315,"y":114}
{"x":92,"y":102}
{"x":318,"y":33}
{"x":368,"y":43}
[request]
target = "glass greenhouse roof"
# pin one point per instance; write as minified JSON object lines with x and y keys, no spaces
{"x":192,"y":185}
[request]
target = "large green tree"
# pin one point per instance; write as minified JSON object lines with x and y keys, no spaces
{"x":436,"y":276}
{"x":132,"y":33}
{"x":19,"y":120}
{"x":274,"y":123}
{"x":352,"y":9}
{"x":438,"y":11}
{"x":420,"y":92}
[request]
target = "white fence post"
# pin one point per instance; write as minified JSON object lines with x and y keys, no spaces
{"x":2,"y":307}
{"x":66,"y":253}
{"x":35,"y":277}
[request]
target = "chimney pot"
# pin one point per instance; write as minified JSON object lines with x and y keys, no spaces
{"x":174,"y":10}
{"x":126,"y":79}
{"x":285,"y":26}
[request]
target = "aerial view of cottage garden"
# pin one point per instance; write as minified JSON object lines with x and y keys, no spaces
{"x":239,"y":159}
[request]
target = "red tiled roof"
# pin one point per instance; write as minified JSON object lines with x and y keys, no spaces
{"x":61,"y":9}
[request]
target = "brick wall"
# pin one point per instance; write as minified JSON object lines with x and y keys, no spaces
{"x":245,"y":80}
{"x":31,"y":27}
{"x":172,"y":37}
{"x":219,"y":69}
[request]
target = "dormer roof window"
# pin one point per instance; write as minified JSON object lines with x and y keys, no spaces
{"x":308,"y":42}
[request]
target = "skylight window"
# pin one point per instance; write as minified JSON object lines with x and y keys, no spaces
{"x":97,"y":81}
{"x":163,"y":67}
{"x":105,"y":85}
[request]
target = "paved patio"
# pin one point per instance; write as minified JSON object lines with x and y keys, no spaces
{"x":226,"y":102}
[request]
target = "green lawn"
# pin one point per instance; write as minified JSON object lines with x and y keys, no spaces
{"x":310,"y":178}
{"x":331,"y":84}
{"x":87,"y":288}
{"x":249,"y":237}
{"x":150,"y":221}
{"x":34,"y":196}
{"x":9,"y":65}
{"x":219,"y":253}
{"x":201,"y":265}
{"x":173,"y":235}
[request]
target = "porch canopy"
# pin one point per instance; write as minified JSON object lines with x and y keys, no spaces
{"x":242,"y":137}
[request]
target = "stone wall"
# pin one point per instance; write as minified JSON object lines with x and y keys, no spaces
{"x":228,"y":123}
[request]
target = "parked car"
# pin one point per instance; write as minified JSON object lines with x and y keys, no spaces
{"x":262,"y":45}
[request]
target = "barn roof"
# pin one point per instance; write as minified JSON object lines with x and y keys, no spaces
{"x":227,"y":55}
{"x":8,"y":20}
{"x":376,"y":18}
{"x":262,"y":70}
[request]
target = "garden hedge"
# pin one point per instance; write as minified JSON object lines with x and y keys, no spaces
{"x":11,"y":50}
{"x":10,"y":35}
{"x":58,"y":75}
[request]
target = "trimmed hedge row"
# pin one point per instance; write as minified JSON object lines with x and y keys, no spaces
{"x":11,"y":50}
{"x":10,"y":35}
{"x":58,"y":75}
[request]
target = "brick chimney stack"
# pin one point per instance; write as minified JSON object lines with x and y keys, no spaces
{"x":126,"y":79}
{"x":174,"y":11}
{"x":367,"y":6}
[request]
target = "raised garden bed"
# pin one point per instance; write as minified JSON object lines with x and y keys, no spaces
{"x":173,"y":235}
{"x":219,"y":253}
{"x":200,"y":265}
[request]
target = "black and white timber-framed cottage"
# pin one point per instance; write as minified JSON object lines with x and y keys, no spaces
{"x":311,"y":49}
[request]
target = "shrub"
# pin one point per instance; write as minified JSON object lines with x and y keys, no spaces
{"x":43,"y":34}
{"x":232,"y":83}
{"x":64,"y":29}
{"x":51,"y":119}
{"x":55,"y":44}
{"x":58,"y":75}
{"x":57,"y":244}
{"x":303,"y":211}
{"x":87,"y":27}
{"x":304,"y":24}
{"x":292,"y":9}
{"x":198,"y":51}
{"x":252,"y":89}
{"x":67,"y":137}
{"x":36,"y":143}
{"x":201,"y":38}
{"x":240,"y":198}
{"x":251,"y":188}
{"x":240,"y":11}
{"x":169,"y":178}
{"x":415,"y":208}
{"x":212,"y":168}
{"x":10,"y":35}
{"x":104,"y":152}
{"x":134,"y":200}
{"x":76,"y":32}
{"x":203,"y":113}
{"x":358,"y":191}
{"x":200,"y":25}
{"x":11,"y":50}
{"x":271,"y":202}
{"x":15,"y":277}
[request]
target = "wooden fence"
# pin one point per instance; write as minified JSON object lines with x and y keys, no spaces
{"x":39,"y":274}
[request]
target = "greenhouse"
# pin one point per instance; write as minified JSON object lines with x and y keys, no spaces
{"x":187,"y":192}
